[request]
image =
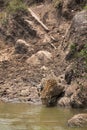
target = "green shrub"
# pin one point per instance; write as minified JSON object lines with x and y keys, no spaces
{"x":81,"y":62}
{"x":83,"y":53}
{"x":16,"y":5}
{"x":72,"y":52}
{"x":3,"y":18}
{"x":57,"y":3}
{"x":85,"y":7}
{"x":73,"y":47}
{"x":11,"y":7}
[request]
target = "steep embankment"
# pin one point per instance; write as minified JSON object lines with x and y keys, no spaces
{"x":40,"y":53}
{"x":21,"y":71}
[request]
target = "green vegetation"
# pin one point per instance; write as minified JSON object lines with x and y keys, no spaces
{"x":57,"y":3}
{"x":16,"y":5}
{"x":83,"y":53}
{"x":85,"y":7}
{"x":80,"y":60}
{"x":79,"y":54}
{"x":72,"y":52}
{"x":73,"y":48}
{"x":79,"y":57}
{"x":11,"y":7}
{"x":3,"y":18}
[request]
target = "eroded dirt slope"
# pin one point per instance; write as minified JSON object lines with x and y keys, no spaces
{"x":20,"y":73}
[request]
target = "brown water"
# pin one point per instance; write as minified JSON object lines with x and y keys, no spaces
{"x":31,"y":117}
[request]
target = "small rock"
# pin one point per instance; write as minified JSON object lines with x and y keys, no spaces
{"x":79,"y":98}
{"x":24,"y":92}
{"x":69,"y":74}
{"x":71,"y":89}
{"x":64,"y":102}
{"x":44,"y":68}
{"x":21,"y":47}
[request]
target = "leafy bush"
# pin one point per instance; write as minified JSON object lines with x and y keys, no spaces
{"x":72,"y":52}
{"x":57,"y":3}
{"x":81,"y":62}
{"x":16,"y":5}
{"x":3,"y":18}
{"x":79,"y":57}
{"x":11,"y":7}
{"x":83,"y":53}
{"x":85,"y":7}
{"x":73,"y":47}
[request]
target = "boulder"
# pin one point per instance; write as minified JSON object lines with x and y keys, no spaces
{"x":77,"y":33}
{"x":25,"y":92}
{"x":78,"y":30}
{"x":41,"y":57}
{"x":51,"y":92}
{"x":75,"y":95}
{"x":67,"y":8}
{"x":79,"y":97}
{"x":40,"y":86}
{"x":64,"y":102}
{"x":78,"y":120}
{"x":71,"y":89}
{"x":21,"y":47}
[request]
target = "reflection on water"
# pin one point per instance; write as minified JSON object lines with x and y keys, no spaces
{"x":31,"y":117}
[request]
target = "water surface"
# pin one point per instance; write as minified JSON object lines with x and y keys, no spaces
{"x":34,"y":117}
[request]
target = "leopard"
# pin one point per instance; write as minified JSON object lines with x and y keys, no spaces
{"x":50,"y":92}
